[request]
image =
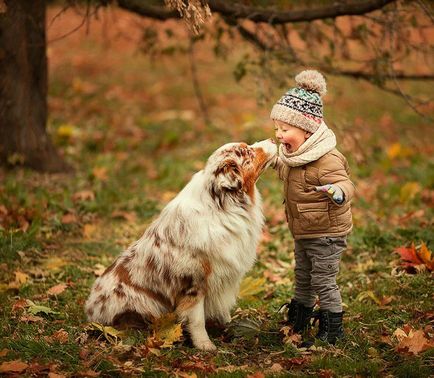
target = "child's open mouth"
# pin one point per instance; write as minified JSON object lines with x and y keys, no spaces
{"x":287,"y":147}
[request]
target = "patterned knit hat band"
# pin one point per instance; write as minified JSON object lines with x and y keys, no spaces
{"x":302,"y":106}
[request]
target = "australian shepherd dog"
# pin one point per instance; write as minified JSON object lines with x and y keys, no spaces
{"x":192,"y":258}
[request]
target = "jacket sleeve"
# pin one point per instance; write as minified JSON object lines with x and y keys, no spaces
{"x":337,"y":172}
{"x":280,"y":167}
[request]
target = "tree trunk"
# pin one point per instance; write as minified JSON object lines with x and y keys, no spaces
{"x":23,"y":88}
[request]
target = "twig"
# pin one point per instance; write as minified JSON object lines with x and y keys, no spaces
{"x":196,"y":86}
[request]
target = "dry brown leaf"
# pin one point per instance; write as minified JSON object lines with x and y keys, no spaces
{"x":31,"y":318}
{"x":4,"y":352}
{"x":16,"y":366}
{"x":69,"y":218}
{"x":84,"y":195}
{"x":128,"y":216}
{"x":100,"y":173}
{"x":256,"y":375}
{"x":55,"y":375}
{"x":415,"y":342}
{"x":61,"y":336}
{"x":56,"y":290}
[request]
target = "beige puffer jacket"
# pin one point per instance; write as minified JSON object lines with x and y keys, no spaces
{"x":312,"y":214}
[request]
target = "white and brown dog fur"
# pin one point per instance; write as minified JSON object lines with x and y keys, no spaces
{"x":193,"y":257}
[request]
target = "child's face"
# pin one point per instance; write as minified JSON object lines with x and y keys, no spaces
{"x":290,"y":136}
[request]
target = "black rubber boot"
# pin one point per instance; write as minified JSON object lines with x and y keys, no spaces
{"x":303,"y":315}
{"x":330,"y":326}
{"x":289,"y":311}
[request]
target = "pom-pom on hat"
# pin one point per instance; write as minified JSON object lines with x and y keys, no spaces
{"x":302,"y":106}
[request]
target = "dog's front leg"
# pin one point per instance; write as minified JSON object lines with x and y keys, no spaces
{"x":195,"y":319}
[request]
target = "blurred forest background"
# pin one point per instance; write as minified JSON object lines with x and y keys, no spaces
{"x":133,"y":102}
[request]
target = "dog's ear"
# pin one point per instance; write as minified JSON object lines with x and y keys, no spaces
{"x":228,"y":176}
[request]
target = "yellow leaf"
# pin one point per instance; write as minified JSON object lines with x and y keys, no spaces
{"x":369,"y":294}
{"x":54,"y":264}
{"x":89,"y":231}
{"x":110,"y":334}
{"x":251,"y":286}
{"x":21,"y":278}
{"x":66,"y":131}
{"x":396,"y":150}
{"x":425,"y":255}
{"x":167,"y":329}
{"x":408,"y":191}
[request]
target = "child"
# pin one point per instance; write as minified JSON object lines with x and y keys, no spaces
{"x":317,"y":196}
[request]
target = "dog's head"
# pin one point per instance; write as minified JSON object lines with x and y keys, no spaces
{"x":235,"y":167}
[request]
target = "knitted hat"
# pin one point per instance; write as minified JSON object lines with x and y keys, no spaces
{"x":302,"y":106}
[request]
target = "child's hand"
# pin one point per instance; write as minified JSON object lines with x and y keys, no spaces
{"x":333,"y":191}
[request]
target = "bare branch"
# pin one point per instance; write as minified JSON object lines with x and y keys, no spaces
{"x":140,"y":7}
{"x":274,"y":17}
{"x":255,"y":14}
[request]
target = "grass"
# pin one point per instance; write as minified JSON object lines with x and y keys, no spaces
{"x":132,"y":156}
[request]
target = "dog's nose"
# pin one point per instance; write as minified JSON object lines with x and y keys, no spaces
{"x":272,"y":140}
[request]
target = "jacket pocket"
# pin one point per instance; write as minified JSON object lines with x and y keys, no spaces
{"x":314,"y":216}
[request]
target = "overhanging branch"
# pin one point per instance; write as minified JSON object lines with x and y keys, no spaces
{"x":255,"y":14}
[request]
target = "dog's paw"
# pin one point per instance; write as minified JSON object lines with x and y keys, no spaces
{"x":207,"y":345}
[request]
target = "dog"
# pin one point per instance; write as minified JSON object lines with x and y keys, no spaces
{"x":193,"y":256}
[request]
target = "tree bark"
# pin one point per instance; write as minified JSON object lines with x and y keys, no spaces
{"x":23,"y":88}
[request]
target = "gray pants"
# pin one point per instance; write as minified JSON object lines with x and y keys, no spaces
{"x":316,"y":266}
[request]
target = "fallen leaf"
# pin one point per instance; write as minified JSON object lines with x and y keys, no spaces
{"x":416,"y":260}
{"x":426,"y":256}
{"x":256,"y":375}
{"x":69,"y":218}
{"x":84,"y":195}
{"x":89,"y":373}
{"x":276,"y":368}
{"x":4,"y":352}
{"x":53,"y":264}
{"x":66,"y":131}
{"x":111,"y":334}
{"x":35,"y":309}
{"x":61,"y":336}
{"x":89,"y":231}
{"x":21,"y":278}
{"x":31,"y":319}
{"x":56,"y":290}
{"x":55,"y":375}
{"x":16,"y":366}
{"x":100,"y":173}
{"x":415,"y":342}
{"x":408,"y":191}
{"x":251,"y":286}
{"x":167,"y":329}
{"x":245,"y":328}
{"x":128,"y":216}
